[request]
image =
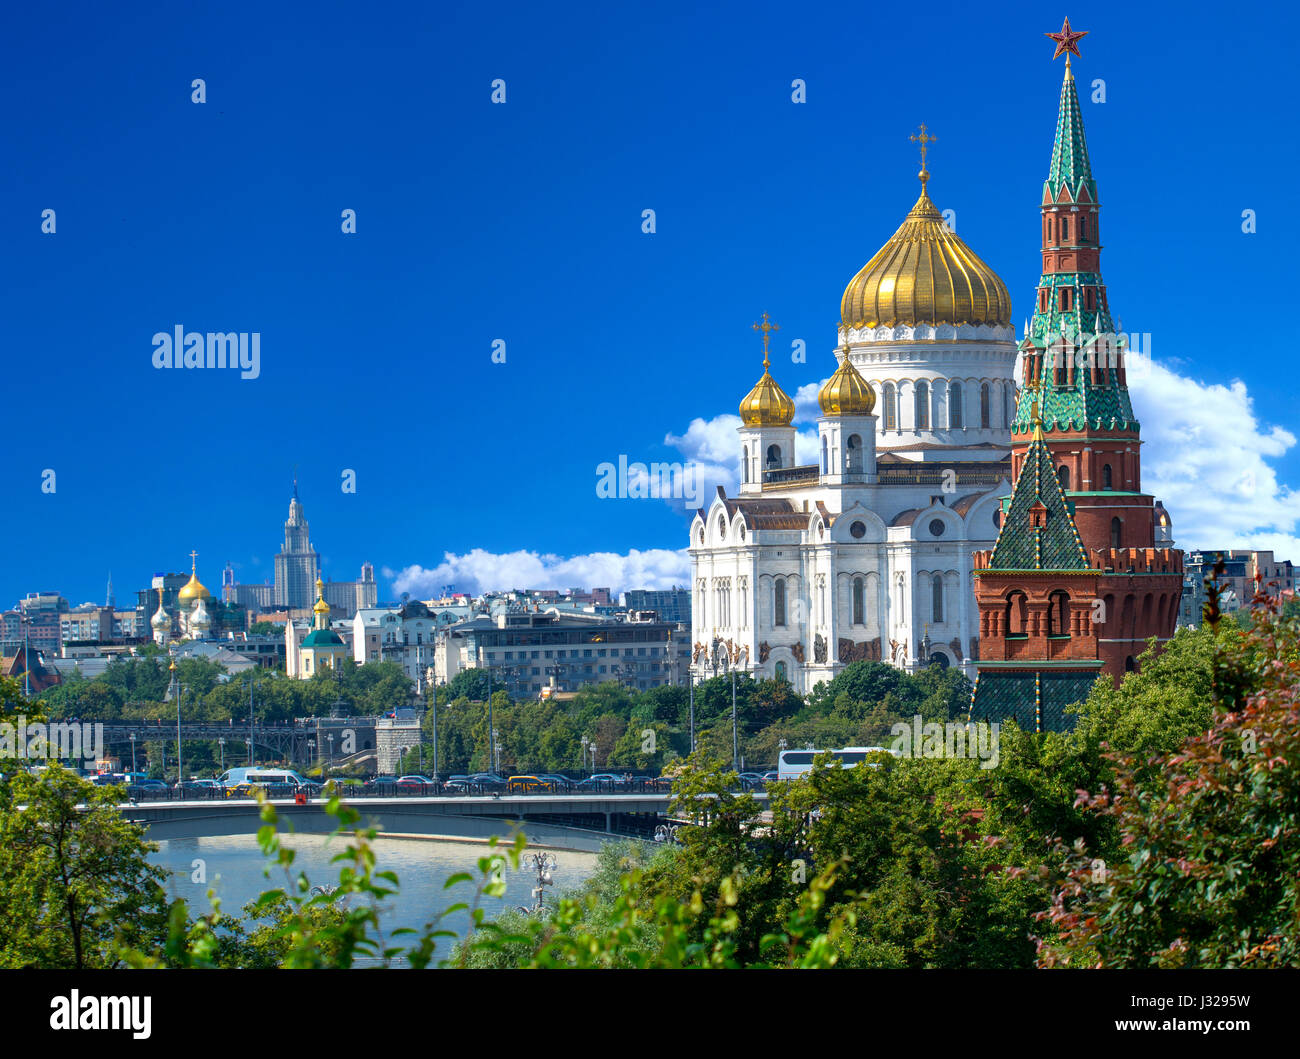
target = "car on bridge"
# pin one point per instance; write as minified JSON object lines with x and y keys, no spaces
{"x":528,"y":784}
{"x":416,"y":785}
{"x":602,"y":781}
{"x":557,"y":782}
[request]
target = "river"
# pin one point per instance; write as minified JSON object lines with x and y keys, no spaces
{"x":234,"y":868}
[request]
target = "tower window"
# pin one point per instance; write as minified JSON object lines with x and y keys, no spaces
{"x":954,"y":406}
{"x":922,"y":406}
{"x":891,"y":406}
{"x":1106,"y":480}
{"x":857,"y":601}
{"x":773,"y":457}
{"x":1063,"y":476}
{"x":1017,"y":614}
{"x":985,"y":413}
{"x":744,"y":464}
{"x":825,"y":461}
{"x":780,"y":672}
{"x":1065,"y":229}
{"x":778,"y":603}
{"x":1116,"y":532}
{"x":853,"y":454}
{"x":936,"y":598}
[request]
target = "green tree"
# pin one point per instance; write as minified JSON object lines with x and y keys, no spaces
{"x":75,"y":882}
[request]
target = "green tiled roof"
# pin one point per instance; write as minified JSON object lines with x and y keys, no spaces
{"x":1035,"y":699}
{"x":1070,"y":165}
{"x":1056,"y":544}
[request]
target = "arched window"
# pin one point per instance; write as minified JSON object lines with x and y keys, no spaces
{"x":954,"y":406}
{"x":985,"y":406}
{"x":778,"y":603}
{"x":825,"y":462}
{"x":922,"y":406}
{"x":1065,"y":229}
{"x":1063,"y":476}
{"x":744,"y":464}
{"x":780,"y":672}
{"x":1116,"y":532}
{"x":1106,"y":477}
{"x":773,"y":457}
{"x":1017,"y":615}
{"x":853,"y":454}
{"x":1058,"y":614}
{"x":858,"y":602}
{"x":936,"y":598}
{"x":891,"y":406}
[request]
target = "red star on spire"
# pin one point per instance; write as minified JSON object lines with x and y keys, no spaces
{"x":1066,"y":41}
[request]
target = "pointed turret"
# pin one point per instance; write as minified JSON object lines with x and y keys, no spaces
{"x":1038,"y":530}
{"x":1070,"y":167}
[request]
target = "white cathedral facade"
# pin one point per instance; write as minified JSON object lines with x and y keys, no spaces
{"x":867,"y":554}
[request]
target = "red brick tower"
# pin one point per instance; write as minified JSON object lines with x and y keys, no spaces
{"x":1074,"y":372}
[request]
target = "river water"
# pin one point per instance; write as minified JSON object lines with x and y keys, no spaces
{"x":234,"y":867}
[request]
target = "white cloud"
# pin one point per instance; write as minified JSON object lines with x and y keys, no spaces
{"x":1205,"y":454}
{"x":479,"y":571}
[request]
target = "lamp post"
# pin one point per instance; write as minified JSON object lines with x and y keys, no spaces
{"x":249,"y":740}
{"x":27,"y":655}
{"x":492,"y":735}
{"x":177,"y":689}
{"x":221,"y":742}
{"x":544,"y":865}
{"x":496,"y":750}
{"x":311,"y":750}
{"x":132,"y":737}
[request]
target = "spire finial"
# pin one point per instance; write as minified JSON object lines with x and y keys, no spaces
{"x":766,"y":327}
{"x":193,"y":557}
{"x":1036,"y":420}
{"x":1067,"y":43}
{"x":924,"y":140}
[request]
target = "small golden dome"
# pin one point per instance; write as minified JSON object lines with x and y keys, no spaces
{"x":767,"y":405}
{"x":846,"y":393}
{"x":321,"y":606}
{"x":925,"y":275}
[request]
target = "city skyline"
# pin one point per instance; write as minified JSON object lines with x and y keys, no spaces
{"x":375,"y":349}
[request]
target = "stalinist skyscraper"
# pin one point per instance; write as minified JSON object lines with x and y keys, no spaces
{"x":297,"y":566}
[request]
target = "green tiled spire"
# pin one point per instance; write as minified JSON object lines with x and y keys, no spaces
{"x":1070,"y":165}
{"x":1037,"y":498}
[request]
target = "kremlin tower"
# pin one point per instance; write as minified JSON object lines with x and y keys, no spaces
{"x":1083,"y":573}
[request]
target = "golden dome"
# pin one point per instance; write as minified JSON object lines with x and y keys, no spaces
{"x":193,"y":589}
{"x":767,"y":405}
{"x":925,"y":275}
{"x":846,"y":393}
{"x":321,"y":606}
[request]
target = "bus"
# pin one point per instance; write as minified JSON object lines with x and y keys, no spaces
{"x":794,"y":763}
{"x":243,"y":781}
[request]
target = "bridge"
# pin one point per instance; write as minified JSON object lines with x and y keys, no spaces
{"x":288,"y":742}
{"x":567,"y":821}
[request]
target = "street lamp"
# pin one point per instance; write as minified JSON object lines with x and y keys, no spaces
{"x":221,"y":741}
{"x":132,"y":738}
{"x":496,"y":752}
{"x":311,"y":749}
{"x":544,"y":865}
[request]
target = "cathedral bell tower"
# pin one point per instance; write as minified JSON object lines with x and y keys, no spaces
{"x":846,"y":431}
{"x":766,"y":433}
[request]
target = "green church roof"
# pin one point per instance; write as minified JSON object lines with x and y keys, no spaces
{"x":323,"y":638}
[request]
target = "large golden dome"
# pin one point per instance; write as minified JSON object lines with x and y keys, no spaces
{"x":767,"y":405}
{"x":846,"y":393}
{"x":925,"y":275}
{"x":193,"y":589}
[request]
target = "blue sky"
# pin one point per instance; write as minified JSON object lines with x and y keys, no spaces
{"x":522,"y":222}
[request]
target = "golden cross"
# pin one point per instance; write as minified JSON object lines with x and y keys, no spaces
{"x":924,"y":140}
{"x":193,"y":556}
{"x":767,"y":328}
